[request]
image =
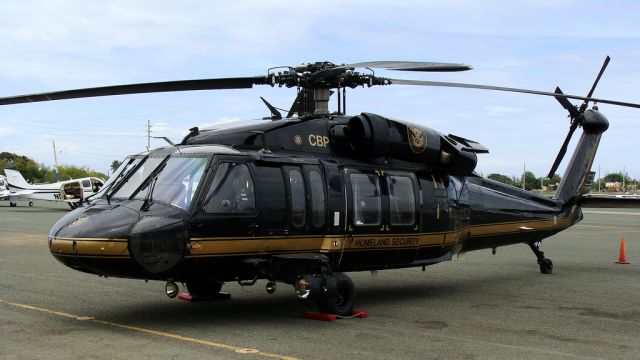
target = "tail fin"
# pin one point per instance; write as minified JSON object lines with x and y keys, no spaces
{"x":15,"y":179}
{"x":578,"y":176}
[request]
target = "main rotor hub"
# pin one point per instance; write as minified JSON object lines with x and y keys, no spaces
{"x":324,"y":75}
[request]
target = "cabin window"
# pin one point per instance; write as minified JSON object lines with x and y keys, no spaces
{"x":366,"y":199}
{"x":316,"y":188}
{"x":86,"y":183}
{"x":231,"y":191}
{"x":402,"y":203}
{"x":298,"y":199}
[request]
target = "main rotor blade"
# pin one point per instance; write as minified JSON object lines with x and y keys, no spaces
{"x":595,"y":83}
{"x":507,"y":89}
{"x":411,"y":66}
{"x":563,"y":150}
{"x":165,"y":86}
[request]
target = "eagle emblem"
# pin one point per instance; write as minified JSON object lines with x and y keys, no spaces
{"x":417,"y":139}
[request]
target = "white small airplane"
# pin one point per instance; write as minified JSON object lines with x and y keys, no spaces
{"x":4,"y":192}
{"x":70,"y":191}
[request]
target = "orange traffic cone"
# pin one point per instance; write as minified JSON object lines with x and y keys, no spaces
{"x":622,"y":259}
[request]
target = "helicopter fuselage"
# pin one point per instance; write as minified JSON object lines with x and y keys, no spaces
{"x":212,"y":211}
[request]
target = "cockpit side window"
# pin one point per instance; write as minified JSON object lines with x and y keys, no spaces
{"x":231,"y":191}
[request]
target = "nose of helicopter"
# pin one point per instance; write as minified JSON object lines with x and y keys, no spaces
{"x":108,"y":240}
{"x":90,"y":238}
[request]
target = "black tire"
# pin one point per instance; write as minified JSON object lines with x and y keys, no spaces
{"x":30,"y":203}
{"x":12,"y":204}
{"x":204,"y":288}
{"x":546,"y":266}
{"x":340,"y":297}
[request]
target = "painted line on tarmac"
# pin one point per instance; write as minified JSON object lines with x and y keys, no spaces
{"x":610,"y":212}
{"x":237,"y":350}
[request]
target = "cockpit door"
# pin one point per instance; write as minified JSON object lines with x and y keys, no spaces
{"x":225,"y":221}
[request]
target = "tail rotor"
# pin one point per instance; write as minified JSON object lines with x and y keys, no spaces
{"x":576,"y":115}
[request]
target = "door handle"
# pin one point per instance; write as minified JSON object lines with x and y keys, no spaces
{"x":253,"y":228}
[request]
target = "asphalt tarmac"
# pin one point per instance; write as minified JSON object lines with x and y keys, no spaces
{"x":479,"y":306}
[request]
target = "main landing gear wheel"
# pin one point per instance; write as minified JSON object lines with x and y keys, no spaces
{"x":546,"y":265}
{"x":73,"y":205}
{"x":204,"y":288}
{"x":340,"y":297}
{"x":12,"y":204}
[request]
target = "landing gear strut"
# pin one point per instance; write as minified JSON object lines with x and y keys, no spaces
{"x":546,"y":265}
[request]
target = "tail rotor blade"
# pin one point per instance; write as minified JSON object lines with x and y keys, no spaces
{"x":563,"y":150}
{"x":584,"y":105}
{"x":573,"y":111}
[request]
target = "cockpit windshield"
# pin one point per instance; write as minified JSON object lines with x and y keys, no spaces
{"x":122,"y":171}
{"x":176,"y":182}
{"x":136,"y":179}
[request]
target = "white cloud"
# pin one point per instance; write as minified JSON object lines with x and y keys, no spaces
{"x":72,"y":43}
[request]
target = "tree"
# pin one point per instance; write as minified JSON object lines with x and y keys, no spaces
{"x":501,"y":178}
{"x":115,"y":165}
{"x":39,"y":173}
{"x":552,"y":183}
{"x":530,"y":181}
{"x":613,"y":177}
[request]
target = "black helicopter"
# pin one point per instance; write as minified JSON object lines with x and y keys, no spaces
{"x":304,"y":198}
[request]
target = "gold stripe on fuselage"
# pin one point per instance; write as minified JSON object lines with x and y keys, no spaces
{"x":90,"y":247}
{"x":263,"y":245}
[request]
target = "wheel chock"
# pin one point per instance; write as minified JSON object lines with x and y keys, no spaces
{"x":192,"y":299}
{"x":312,"y":315}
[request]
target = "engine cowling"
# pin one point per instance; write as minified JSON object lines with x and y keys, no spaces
{"x":371,"y":135}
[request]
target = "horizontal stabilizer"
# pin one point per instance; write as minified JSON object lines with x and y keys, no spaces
{"x":470,"y":145}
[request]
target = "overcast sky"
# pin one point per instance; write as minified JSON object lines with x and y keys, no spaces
{"x":58,"y":45}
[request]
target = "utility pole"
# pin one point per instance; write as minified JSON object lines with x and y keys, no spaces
{"x":55,"y":161}
{"x":599,"y":178}
{"x":148,"y":134}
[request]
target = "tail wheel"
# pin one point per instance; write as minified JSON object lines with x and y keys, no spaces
{"x":204,"y":288}
{"x":340,"y":297}
{"x":546,"y":266}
